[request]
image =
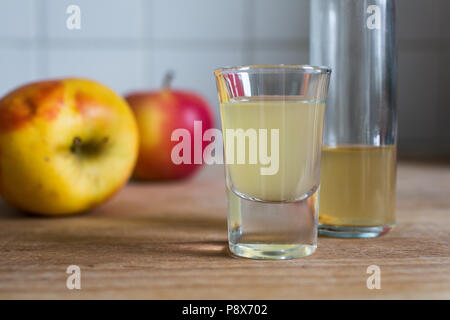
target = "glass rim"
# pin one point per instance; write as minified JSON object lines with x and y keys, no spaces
{"x":305,"y":68}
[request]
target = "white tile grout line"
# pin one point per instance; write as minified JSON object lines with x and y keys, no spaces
{"x":146,"y":43}
{"x":41,"y":39}
{"x":248,"y":25}
{"x":145,"y":70}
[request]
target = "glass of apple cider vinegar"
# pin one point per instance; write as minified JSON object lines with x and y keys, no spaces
{"x":358,"y":173}
{"x":272,"y":122}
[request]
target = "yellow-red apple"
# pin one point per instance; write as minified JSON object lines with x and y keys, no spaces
{"x":66,"y":146}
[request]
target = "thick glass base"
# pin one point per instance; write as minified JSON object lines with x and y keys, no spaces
{"x":271,"y":251}
{"x":354,"y":232}
{"x":272,"y":230}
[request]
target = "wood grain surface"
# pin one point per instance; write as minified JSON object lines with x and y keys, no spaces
{"x":167,"y":241}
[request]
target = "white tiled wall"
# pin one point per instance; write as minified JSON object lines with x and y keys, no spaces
{"x":120,"y":69}
{"x":17,"y":65}
{"x":280,"y":55}
{"x":101,"y":19}
{"x":130,"y":44}
{"x":214,"y":21}
{"x":280,"y":20}
{"x":17,"y":19}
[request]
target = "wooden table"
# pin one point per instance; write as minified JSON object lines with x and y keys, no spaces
{"x":165,"y":241}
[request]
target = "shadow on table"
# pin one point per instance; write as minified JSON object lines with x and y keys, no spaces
{"x":114,"y":238}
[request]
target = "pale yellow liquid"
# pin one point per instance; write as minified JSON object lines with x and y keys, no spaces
{"x":358,"y":186}
{"x":300,"y":125}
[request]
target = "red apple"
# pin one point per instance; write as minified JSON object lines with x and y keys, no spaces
{"x":158,"y":114}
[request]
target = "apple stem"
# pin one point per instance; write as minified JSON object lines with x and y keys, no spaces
{"x":76,"y":145}
{"x":167,"y":81}
{"x":87,"y":147}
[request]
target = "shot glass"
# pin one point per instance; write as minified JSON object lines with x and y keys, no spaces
{"x":272,"y":123}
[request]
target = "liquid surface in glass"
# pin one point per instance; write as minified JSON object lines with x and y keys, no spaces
{"x":358,"y":186}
